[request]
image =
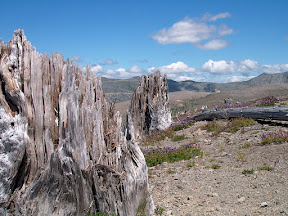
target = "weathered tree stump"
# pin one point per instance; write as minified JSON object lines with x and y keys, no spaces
{"x":62,"y":148}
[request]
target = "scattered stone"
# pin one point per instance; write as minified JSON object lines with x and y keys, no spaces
{"x":264,"y":204}
{"x":241,"y":200}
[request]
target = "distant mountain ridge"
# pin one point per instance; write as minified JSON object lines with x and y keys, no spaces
{"x":122,"y":89}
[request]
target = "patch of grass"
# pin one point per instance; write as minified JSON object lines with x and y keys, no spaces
{"x":274,"y":137}
{"x":222,"y":148}
{"x":245,"y":146}
{"x":171,"y":154}
{"x":238,"y":123}
{"x":178,"y":138}
{"x":244,"y":172}
{"x":237,"y":166}
{"x":190,"y":164}
{"x":207,"y":167}
{"x":211,"y":126}
{"x":232,"y":127}
{"x":241,"y":157}
{"x":159,"y":210}
{"x":212,"y":159}
{"x":157,"y":135}
{"x":171,"y":171}
{"x":265,"y":167}
{"x":183,"y":124}
{"x":215,"y":166}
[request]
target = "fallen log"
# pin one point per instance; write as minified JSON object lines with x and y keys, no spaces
{"x":266,"y":113}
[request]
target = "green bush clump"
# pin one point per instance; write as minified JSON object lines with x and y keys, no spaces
{"x":159,"y":210}
{"x":215,"y":166}
{"x":171,"y":154}
{"x":248,"y":171}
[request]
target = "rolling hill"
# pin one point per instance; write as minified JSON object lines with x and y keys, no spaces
{"x":122,"y":89}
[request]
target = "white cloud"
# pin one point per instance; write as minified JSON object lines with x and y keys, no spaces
{"x":213,"y":45}
{"x":247,"y":66}
{"x":174,"y":68}
{"x":277,"y":68}
{"x":224,"y":30}
{"x":109,"y":62}
{"x":244,"y":67}
{"x":136,"y":69}
{"x":97,"y":69}
{"x":209,"y":17}
{"x":194,"y":31}
{"x":219,"y":67}
{"x":122,"y":73}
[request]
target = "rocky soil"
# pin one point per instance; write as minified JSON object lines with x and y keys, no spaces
{"x":201,"y":190}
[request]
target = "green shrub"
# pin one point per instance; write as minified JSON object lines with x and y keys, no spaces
{"x":171,"y":154}
{"x":190,"y":164}
{"x":215,"y":166}
{"x":159,"y":210}
{"x":265,"y":167}
{"x":247,"y":171}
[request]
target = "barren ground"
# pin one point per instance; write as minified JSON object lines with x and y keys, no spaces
{"x":200,"y":190}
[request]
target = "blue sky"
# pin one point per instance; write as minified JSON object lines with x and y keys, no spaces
{"x":202,"y":40}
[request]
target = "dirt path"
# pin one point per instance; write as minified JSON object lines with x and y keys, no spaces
{"x":200,"y":190}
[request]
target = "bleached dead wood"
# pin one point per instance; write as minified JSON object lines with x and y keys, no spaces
{"x":62,"y":148}
{"x":266,"y":113}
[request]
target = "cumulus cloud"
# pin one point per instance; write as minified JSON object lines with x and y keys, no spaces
{"x":219,"y":67}
{"x":109,"y":62}
{"x":96,"y":68}
{"x":122,"y":73}
{"x":174,"y":68}
{"x":244,"y":67}
{"x":213,"y":45}
{"x":77,"y":58}
{"x":277,"y":68}
{"x":194,"y":31}
{"x":210,"y":17}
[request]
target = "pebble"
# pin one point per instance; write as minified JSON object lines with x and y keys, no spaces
{"x":264,"y":204}
{"x":241,"y":200}
{"x":215,"y":195}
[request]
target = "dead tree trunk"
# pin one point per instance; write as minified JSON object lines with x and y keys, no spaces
{"x":149,"y":108}
{"x":266,"y":113}
{"x":62,"y":148}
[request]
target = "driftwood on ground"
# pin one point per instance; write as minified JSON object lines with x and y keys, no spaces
{"x":264,"y":113}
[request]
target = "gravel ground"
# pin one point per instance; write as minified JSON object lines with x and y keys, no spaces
{"x":200,"y":190}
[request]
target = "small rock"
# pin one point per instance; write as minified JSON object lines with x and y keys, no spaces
{"x":241,"y":200}
{"x":215,"y":195}
{"x":264,"y":204}
{"x":169,"y":212}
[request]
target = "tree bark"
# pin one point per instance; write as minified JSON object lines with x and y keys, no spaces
{"x":266,"y":113}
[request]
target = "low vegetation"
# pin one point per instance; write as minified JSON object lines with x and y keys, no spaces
{"x":231,"y":127}
{"x":280,"y":136}
{"x":245,"y":172}
{"x":178,"y":138}
{"x":171,"y":154}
